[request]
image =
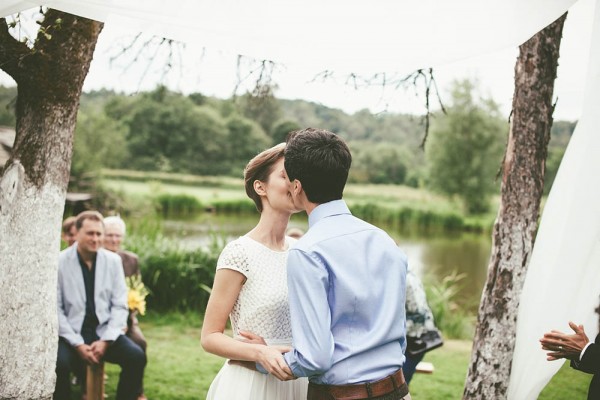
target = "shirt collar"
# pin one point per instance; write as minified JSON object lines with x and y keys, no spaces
{"x":335,"y":207}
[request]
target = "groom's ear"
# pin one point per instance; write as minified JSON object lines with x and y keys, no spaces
{"x":297,"y":187}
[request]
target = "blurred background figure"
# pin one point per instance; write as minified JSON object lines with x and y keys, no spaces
{"x":69,"y":230}
{"x":295,"y":233}
{"x":114,"y":233}
{"x":421,"y":332}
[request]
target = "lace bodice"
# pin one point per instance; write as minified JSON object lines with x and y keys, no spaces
{"x":262,"y":305}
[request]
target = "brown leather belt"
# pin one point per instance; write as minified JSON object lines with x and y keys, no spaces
{"x":390,"y":384}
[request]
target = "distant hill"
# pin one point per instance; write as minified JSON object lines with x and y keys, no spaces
{"x":402,"y":129}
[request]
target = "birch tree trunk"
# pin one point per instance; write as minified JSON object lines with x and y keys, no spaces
{"x":32,"y":194}
{"x":516,"y":224}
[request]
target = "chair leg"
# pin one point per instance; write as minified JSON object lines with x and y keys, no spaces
{"x":95,"y":382}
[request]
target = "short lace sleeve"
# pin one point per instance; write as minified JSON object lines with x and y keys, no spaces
{"x":234,"y":257}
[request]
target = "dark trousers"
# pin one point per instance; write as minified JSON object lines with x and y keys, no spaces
{"x":135,"y":333}
{"x":123,"y":351}
{"x":410,"y":366}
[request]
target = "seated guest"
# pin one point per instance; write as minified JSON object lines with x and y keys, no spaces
{"x":92,"y":312}
{"x":114,"y":233}
{"x":69,"y":231}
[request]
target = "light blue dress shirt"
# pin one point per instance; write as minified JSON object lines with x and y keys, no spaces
{"x":346,"y":282}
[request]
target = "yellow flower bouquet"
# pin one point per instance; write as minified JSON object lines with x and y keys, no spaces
{"x":136,"y":298}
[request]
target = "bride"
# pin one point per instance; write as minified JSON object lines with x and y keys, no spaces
{"x":250,"y":288}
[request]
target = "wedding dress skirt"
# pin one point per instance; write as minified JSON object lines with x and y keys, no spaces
{"x":234,"y":382}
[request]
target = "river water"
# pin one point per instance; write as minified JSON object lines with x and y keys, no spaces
{"x":434,"y":256}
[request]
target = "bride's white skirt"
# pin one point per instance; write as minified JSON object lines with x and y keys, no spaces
{"x":234,"y":382}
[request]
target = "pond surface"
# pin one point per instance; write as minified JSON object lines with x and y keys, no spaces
{"x":432,"y":255}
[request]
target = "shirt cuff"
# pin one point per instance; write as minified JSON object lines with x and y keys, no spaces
{"x":583,"y":351}
{"x":261,"y":369}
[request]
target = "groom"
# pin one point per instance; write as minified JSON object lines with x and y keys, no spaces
{"x":346,"y":282}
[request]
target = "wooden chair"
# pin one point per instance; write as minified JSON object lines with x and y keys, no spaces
{"x":425,"y":368}
{"x":95,"y":382}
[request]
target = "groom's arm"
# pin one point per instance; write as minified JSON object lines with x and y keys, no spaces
{"x":308,"y":283}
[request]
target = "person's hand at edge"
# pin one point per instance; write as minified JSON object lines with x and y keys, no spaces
{"x":562,"y":345}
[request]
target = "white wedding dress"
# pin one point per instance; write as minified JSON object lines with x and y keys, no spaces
{"x":261,"y":308}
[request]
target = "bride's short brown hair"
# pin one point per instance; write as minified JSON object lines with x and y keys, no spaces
{"x":259,"y":169}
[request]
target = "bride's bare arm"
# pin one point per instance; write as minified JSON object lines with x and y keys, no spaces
{"x":225,"y":292}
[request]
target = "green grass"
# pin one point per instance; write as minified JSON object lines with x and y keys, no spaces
{"x":567,"y":384}
{"x":168,"y":177}
{"x":208,"y":189}
{"x":205,"y":194}
{"x":451,"y":362}
{"x":178,"y":368}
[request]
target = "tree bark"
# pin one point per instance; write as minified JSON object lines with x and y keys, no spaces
{"x":32,"y":194}
{"x":516,"y":224}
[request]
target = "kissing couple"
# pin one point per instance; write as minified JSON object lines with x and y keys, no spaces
{"x":322,"y":317}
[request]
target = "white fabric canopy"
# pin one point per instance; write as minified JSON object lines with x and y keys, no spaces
{"x":366,"y":37}
{"x":563,"y":280}
{"x":358,"y":36}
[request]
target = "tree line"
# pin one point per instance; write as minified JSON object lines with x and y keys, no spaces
{"x":166,"y":131}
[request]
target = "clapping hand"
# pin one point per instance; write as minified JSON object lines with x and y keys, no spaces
{"x":562,"y":345}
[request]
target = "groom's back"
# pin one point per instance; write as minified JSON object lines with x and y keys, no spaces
{"x":364,"y":274}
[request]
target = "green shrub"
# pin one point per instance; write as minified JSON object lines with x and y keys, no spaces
{"x":178,"y":204}
{"x":244,"y":206}
{"x":177,"y":278}
{"x":409,"y":218}
{"x":452,"y":319}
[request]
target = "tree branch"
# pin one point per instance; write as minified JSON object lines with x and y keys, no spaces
{"x":11,"y":51}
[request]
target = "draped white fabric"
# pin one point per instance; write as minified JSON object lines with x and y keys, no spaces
{"x":331,"y":35}
{"x":563,"y":280}
{"x":564,"y":274}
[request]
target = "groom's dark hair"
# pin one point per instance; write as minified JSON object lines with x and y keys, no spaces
{"x":320,"y":160}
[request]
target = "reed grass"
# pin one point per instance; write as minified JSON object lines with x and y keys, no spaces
{"x":391,"y":205}
{"x":450,"y":317}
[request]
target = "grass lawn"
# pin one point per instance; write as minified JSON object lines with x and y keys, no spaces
{"x":205,"y":190}
{"x":178,"y":368}
{"x":205,"y":194}
{"x":385,"y":195}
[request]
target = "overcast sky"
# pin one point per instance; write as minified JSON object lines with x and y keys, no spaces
{"x":214,"y":73}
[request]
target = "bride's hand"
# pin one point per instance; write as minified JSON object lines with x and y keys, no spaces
{"x":270,"y":357}
{"x":249,"y":337}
